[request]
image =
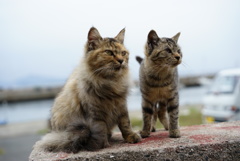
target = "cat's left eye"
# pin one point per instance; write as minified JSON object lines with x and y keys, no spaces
{"x":109,"y":52}
{"x":179,"y":51}
{"x":168,"y":50}
{"x":124,"y":53}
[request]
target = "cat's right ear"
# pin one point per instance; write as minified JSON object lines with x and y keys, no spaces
{"x":152,"y":41}
{"x":93,"y":38}
{"x":175,"y":38}
{"x":120,"y":36}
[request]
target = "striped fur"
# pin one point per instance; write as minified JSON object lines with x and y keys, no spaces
{"x":93,"y":101}
{"x":159,"y":83}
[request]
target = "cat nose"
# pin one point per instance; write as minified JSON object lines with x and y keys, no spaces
{"x":177,"y":57}
{"x":120,"y":61}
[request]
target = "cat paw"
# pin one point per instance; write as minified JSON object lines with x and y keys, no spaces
{"x":109,"y":136}
{"x":144,"y":134}
{"x":50,"y":148}
{"x":166,"y":128}
{"x":133,"y":138}
{"x":174,"y":133}
{"x":165,"y":124}
{"x":106,"y":145}
{"x":153,"y":129}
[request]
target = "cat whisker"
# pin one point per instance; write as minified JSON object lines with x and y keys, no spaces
{"x":97,"y":72}
{"x":102,"y":71}
{"x":185,"y":64}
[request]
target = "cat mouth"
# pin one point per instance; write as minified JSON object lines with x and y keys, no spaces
{"x":118,"y":67}
{"x":177,"y":63}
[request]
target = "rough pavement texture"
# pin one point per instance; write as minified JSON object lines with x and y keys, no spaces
{"x":202,"y":142}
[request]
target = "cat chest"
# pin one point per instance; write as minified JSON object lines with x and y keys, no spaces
{"x":105,"y":92}
{"x":160,"y":94}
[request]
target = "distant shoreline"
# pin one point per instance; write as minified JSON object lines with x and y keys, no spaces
{"x":28,"y":94}
{"x":40,"y":93}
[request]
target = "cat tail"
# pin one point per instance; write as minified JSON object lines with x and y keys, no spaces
{"x":139,"y":59}
{"x":75,"y":138}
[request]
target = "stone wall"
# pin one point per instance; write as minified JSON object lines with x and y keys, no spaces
{"x":216,"y":142}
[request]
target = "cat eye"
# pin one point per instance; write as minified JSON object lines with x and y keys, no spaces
{"x":168,"y":50}
{"x":179,"y":51}
{"x":109,"y":52}
{"x":124,"y":53}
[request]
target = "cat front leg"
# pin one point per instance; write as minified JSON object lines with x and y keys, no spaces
{"x":102,"y":129}
{"x":147,"y":110}
{"x":109,"y":135}
{"x":162,"y":115}
{"x":173,"y":111}
{"x":125,"y":128}
{"x":154,"y":121}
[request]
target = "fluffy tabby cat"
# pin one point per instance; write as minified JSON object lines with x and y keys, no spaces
{"x":93,"y":100}
{"x":159,"y":83}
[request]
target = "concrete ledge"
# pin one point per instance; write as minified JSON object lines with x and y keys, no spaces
{"x":203,"y":142}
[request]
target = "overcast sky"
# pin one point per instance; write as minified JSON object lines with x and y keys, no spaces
{"x":46,"y":37}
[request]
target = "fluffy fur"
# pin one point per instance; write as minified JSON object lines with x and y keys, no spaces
{"x":159,"y":83}
{"x":93,"y":101}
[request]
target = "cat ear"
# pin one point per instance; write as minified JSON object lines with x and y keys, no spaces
{"x":120,"y":36}
{"x":93,"y":39}
{"x":152,"y":36}
{"x":175,"y":38}
{"x":93,"y":34}
{"x":152,"y":41}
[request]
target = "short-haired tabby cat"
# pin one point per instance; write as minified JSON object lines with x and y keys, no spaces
{"x":159,"y":83}
{"x":93,"y":100}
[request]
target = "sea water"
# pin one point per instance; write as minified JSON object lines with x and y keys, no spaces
{"x":40,"y":109}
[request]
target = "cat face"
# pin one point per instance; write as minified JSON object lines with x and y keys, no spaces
{"x":106,"y":56}
{"x":163,"y":51}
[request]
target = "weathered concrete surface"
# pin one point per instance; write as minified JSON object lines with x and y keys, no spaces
{"x":203,"y":142}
